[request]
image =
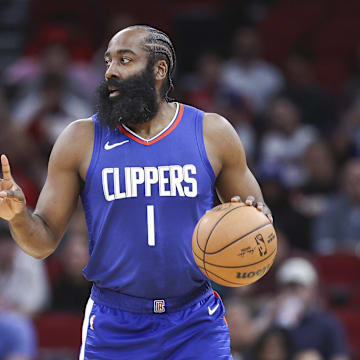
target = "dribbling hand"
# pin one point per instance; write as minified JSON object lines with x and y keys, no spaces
{"x":12,"y":199}
{"x":250,"y":201}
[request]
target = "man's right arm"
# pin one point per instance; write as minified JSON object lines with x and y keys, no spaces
{"x":40,"y":232}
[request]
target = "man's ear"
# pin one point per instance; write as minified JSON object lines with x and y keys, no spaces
{"x":161,"y":69}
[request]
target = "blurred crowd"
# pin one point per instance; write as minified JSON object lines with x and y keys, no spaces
{"x":302,"y":140}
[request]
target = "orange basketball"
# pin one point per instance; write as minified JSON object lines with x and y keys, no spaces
{"x":234,"y":244}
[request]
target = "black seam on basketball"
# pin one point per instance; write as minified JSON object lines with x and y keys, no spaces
{"x":258,"y":228}
{"x":230,"y":282}
{"x":200,"y":258}
{"x":216,"y":224}
{"x":197,"y":240}
{"x":212,"y":230}
{"x":235,"y":267}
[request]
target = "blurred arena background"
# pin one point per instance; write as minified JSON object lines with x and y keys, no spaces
{"x":285,"y":73}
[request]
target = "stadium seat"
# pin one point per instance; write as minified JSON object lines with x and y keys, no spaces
{"x":354,"y":300}
{"x":339,"y":268}
{"x":297,"y":17}
{"x":336,"y":38}
{"x":59,"y":331}
{"x":339,"y":276}
{"x":330,"y":72}
{"x":350,"y":319}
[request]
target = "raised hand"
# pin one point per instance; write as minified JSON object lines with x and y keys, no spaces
{"x":12,"y":199}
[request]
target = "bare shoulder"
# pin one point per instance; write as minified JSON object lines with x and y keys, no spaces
{"x":215,"y":122}
{"x":78,"y":129}
{"x":220,"y":134}
{"x":74,"y":145}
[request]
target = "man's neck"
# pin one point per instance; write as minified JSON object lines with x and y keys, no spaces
{"x":161,"y":120}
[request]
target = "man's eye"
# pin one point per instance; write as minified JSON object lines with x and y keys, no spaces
{"x":125,"y":60}
{"x":107,"y":62}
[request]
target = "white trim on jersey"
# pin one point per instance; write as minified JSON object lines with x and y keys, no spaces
{"x":85,"y":327}
{"x":161,"y":132}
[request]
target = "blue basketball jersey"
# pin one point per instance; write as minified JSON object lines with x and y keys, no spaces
{"x":142,"y":199}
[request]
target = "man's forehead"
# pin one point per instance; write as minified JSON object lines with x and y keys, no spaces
{"x":128,"y":38}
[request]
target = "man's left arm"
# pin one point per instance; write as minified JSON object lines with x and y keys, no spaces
{"x":234,"y":180}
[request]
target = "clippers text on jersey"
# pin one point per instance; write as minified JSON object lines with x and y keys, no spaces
{"x":171,"y":180}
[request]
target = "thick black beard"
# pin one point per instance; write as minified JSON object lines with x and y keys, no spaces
{"x":136,"y":103}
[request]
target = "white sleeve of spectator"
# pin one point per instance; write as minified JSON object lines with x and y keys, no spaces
{"x":35,"y":290}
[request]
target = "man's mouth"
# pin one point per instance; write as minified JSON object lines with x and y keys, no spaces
{"x":113,"y":91}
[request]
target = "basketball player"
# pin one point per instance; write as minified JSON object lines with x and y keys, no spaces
{"x":146,"y":169}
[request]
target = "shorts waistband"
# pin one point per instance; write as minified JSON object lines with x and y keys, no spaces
{"x":129,"y":303}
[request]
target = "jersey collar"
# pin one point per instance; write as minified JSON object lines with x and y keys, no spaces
{"x":165,"y":132}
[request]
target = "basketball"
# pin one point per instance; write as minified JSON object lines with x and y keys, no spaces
{"x":234,"y":244}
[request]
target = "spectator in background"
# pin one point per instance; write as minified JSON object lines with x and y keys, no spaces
{"x":293,"y":225}
{"x":317,"y":107}
{"x":242,"y":328}
{"x":17,"y":337}
{"x":50,"y":92}
{"x":308,"y":355}
{"x":23,"y":281}
{"x":202,"y":89}
{"x":249,"y":76}
{"x":71,"y":290}
{"x":318,"y":163}
{"x":44,"y":114}
{"x":284,"y":144}
{"x":346,"y":137}
{"x":238,"y":112}
{"x":298,"y":309}
{"x":274,"y":344}
{"x":56,"y":109}
{"x":54,"y":51}
{"x":338,"y":228}
{"x":320,"y":169}
{"x":22,"y":293}
{"x":28,"y":174}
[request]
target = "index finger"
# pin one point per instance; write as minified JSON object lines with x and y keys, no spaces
{"x":5,"y":168}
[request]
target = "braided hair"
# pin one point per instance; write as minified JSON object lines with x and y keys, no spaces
{"x":160,"y":47}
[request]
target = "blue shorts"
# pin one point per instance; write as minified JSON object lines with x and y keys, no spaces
{"x":158,"y":330}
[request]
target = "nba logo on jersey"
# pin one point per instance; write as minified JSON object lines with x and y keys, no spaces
{"x":159,"y":306}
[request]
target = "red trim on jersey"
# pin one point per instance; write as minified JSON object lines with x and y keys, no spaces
{"x":166,"y":133}
{"x":216,"y":294}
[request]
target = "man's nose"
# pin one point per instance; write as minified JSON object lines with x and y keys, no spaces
{"x":112,"y":72}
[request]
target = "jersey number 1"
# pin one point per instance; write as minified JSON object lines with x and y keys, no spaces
{"x":150,"y":225}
